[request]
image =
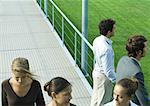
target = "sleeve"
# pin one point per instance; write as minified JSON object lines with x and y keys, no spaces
{"x":141,"y":93}
{"x":108,"y":65}
{"x":4,"y":96}
{"x":40,"y":99}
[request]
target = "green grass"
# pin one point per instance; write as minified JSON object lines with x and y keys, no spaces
{"x":132,"y":17}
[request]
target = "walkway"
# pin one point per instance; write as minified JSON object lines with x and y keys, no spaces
{"x":25,"y":32}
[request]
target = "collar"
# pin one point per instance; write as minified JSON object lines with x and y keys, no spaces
{"x":136,"y":60}
{"x":109,"y":41}
{"x":114,"y":103}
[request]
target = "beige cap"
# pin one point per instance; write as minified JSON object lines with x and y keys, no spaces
{"x":20,"y":65}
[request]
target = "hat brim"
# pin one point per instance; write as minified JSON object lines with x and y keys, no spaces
{"x":21,"y":70}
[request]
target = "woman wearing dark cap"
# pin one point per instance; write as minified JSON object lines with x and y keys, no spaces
{"x":59,"y":89}
{"x":21,"y":89}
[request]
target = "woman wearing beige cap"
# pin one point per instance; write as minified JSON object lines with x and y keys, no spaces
{"x":21,"y":89}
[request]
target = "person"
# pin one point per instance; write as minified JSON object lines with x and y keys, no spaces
{"x":59,"y":89}
{"x":123,"y":92}
{"x":21,"y":89}
{"x":136,"y":48}
{"x":103,"y":73}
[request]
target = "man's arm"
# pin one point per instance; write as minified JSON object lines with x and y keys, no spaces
{"x":108,"y":65}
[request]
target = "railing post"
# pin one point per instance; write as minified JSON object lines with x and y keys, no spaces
{"x":41,"y":3}
{"x":53,"y":16}
{"x":75,"y":50}
{"x":84,"y":56}
{"x":62,"y":30}
{"x":45,"y":7}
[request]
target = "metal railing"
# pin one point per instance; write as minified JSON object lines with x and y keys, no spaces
{"x":71,"y":37}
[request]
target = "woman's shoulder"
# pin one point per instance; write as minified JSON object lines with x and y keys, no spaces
{"x":51,"y":104}
{"x":6,"y":85}
{"x":72,"y":104}
{"x":35,"y":82}
{"x":5,"y":82}
{"x":109,"y":103}
{"x":133,"y":104}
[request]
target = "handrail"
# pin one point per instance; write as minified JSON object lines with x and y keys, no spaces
{"x":79,"y":33}
{"x":49,"y":8}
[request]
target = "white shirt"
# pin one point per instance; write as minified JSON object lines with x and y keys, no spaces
{"x":112,"y":103}
{"x":104,"y":58}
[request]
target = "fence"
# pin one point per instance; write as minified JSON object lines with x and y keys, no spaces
{"x":71,"y":37}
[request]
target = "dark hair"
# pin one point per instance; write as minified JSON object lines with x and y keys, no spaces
{"x":131,"y":85}
{"x":134,"y":44}
{"x":56,"y":85}
{"x":105,"y":26}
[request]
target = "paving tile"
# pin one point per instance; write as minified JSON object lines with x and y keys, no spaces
{"x":24,"y":32}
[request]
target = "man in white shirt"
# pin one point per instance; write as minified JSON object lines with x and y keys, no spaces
{"x":103,"y":73}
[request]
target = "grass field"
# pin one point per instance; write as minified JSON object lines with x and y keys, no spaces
{"x":132,"y":17}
